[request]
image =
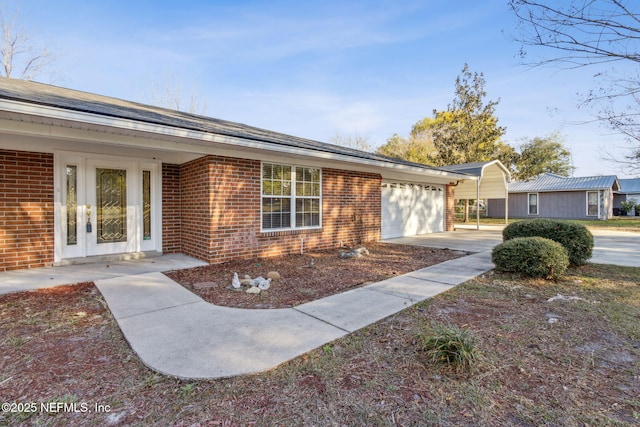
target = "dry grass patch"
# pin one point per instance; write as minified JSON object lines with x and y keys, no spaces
{"x":583,"y":368}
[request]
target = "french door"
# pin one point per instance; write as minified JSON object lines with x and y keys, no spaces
{"x":106,"y":206}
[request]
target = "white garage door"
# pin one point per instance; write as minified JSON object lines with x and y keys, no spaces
{"x":409,"y":209}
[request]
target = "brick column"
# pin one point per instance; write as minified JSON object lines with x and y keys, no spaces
{"x":450,"y":212}
{"x":26,"y":210}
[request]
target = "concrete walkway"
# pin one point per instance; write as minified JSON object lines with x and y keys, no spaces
{"x":175,"y":332}
{"x":38,"y":278}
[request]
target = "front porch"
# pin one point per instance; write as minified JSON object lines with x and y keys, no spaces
{"x":46,"y":277}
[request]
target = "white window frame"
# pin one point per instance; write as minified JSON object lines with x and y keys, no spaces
{"x":597,"y":204}
{"x":537,"y":204}
{"x":292,"y":198}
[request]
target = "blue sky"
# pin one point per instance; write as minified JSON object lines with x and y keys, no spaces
{"x":317,"y":69}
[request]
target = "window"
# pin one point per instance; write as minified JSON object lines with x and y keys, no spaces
{"x":146,"y":205}
{"x":533,"y":203}
{"x":592,"y":203}
{"x":291,"y":197}
{"x":72,"y":205}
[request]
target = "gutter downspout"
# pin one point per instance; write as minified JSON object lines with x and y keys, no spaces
{"x":478,"y":203}
{"x":451,"y":184}
{"x":506,"y":201}
{"x":506,"y":205}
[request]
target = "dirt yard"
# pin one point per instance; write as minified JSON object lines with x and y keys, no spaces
{"x":563,"y":353}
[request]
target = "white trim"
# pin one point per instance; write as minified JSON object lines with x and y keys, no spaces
{"x":86,"y":163}
{"x":202,"y":138}
{"x":537,"y":205}
{"x":598,"y":203}
{"x":60,"y":162}
{"x":292,"y":199}
{"x":155,"y":243}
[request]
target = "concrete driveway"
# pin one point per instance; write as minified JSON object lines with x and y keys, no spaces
{"x":610,"y":246}
{"x":616,"y":247}
{"x":459,"y":240}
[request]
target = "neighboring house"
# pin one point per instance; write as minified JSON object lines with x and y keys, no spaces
{"x":84,"y":177}
{"x":554,"y":196}
{"x":629,"y":190}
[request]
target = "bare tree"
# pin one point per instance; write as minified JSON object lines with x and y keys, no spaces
{"x":357,"y":142}
{"x":21,"y":58}
{"x":586,"y":33}
{"x":169,"y":93}
{"x":583,"y":32}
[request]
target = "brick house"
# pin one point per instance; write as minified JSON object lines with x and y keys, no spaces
{"x":84,"y":177}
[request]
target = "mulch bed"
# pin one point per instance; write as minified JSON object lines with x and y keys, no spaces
{"x":307,"y":277}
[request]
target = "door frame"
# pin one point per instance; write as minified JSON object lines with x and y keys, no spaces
{"x":86,"y":163}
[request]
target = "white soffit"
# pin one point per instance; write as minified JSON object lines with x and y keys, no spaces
{"x":150,"y":136}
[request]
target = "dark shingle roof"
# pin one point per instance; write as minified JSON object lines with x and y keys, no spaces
{"x":78,"y":101}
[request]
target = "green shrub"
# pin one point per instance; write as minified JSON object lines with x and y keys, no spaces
{"x":531,"y":256}
{"x":451,"y":346}
{"x":575,"y":237}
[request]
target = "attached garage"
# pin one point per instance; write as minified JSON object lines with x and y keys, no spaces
{"x":411,"y":208}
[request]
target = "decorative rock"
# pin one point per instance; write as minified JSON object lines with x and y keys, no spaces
{"x":264,"y":284}
{"x":253,"y":290}
{"x":246,"y":281}
{"x":204,"y":285}
{"x":235,"y":283}
{"x":354,"y":253}
{"x":254,"y":282}
{"x":361,"y":250}
{"x":261,"y":282}
{"x":273,"y":275}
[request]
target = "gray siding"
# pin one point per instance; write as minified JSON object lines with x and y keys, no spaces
{"x":565,"y":205}
{"x":495,"y":208}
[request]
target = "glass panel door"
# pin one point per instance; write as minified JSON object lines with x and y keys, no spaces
{"x":111,"y":205}
{"x":113,"y":197}
{"x":106,"y":205}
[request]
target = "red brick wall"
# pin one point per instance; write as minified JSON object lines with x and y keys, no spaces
{"x":351,"y":206}
{"x":195,"y":214}
{"x":220,"y":216}
{"x":26,"y":210}
{"x":450,"y":208}
{"x":211,"y":210}
{"x":170,"y":208}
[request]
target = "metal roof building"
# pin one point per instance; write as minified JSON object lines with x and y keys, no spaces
{"x":554,"y":196}
{"x":630,"y":186}
{"x":548,"y":182}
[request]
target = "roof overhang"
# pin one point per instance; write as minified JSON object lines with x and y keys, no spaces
{"x":173,"y":144}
